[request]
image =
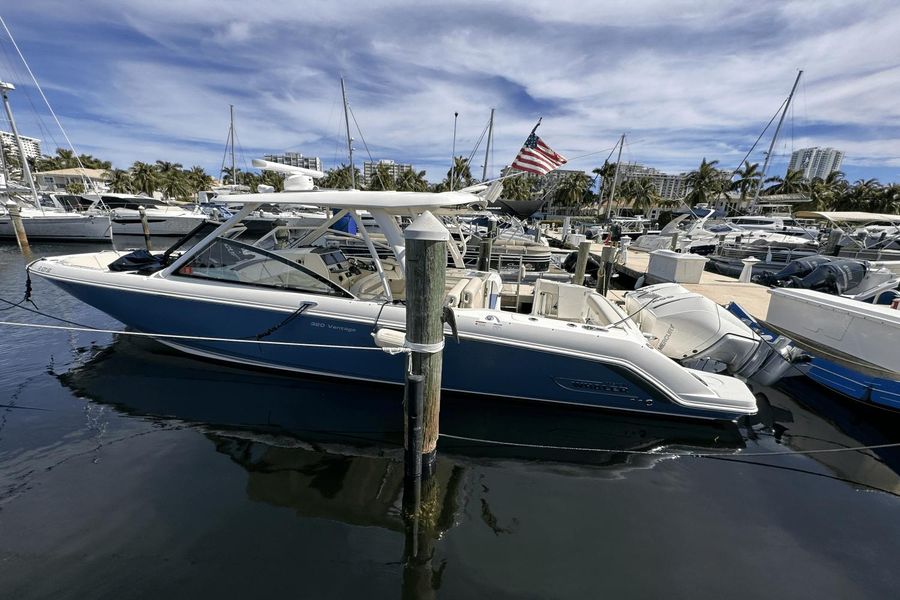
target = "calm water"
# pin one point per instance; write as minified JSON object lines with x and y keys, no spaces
{"x":128,"y":470}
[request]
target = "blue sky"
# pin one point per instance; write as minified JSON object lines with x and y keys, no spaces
{"x":146,"y":80}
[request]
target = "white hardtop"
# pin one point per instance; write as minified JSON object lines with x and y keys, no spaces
{"x":847,"y":216}
{"x":359,"y":199}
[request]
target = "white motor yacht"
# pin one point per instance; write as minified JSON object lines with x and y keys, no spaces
{"x":305,"y":307}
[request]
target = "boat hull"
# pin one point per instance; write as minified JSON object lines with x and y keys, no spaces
{"x":477,"y":364}
{"x":62,"y":228}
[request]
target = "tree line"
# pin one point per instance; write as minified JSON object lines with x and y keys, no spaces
{"x":705,"y":184}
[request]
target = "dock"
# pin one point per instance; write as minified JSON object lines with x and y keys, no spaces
{"x":721,"y":289}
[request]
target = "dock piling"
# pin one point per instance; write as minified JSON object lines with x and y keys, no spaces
{"x":584,"y":249}
{"x":426,"y":264}
{"x":146,"y":227}
{"x":16,"y":218}
{"x":604,"y":274}
{"x":674,"y":245}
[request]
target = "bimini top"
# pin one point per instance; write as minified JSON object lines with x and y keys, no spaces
{"x":847,"y":216}
{"x":389,"y":200}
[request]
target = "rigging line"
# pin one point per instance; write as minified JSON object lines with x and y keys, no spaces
{"x":611,"y":150}
{"x":88,"y":182}
{"x":761,"y":134}
{"x":366,"y":146}
{"x":193,"y":337}
{"x":689,"y":454}
{"x":16,"y":73}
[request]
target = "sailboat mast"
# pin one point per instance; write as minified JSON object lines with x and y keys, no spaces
{"x":231,"y":135}
{"x":349,"y":139}
{"x":762,"y":175}
{"x":23,"y":160}
{"x":487,"y":150}
{"x":612,"y":191}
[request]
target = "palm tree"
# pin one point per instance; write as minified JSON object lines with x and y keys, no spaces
{"x":383,"y":179}
{"x":412,"y":181}
{"x":143,"y":177}
{"x":793,"y":182}
{"x":65,"y":159}
{"x":571,"y":189}
{"x":607,"y":172}
{"x":461,"y":173}
{"x":174,"y":184}
{"x":748,"y":177}
{"x":704,"y":184}
{"x":230,"y":176}
{"x":90,"y":162}
{"x":641,"y":194}
{"x":518,"y":188}
{"x":276,"y":180}
{"x":339,"y":178}
{"x":119,"y":181}
{"x":198,"y":179}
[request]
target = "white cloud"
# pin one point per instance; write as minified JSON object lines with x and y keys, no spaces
{"x":685,"y":79}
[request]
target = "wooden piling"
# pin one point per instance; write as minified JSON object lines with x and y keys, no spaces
{"x":674,"y":246}
{"x":584,"y":249}
{"x":146,"y":227}
{"x":426,"y":266}
{"x":604,"y":274}
{"x":15,"y":218}
{"x":537,"y":232}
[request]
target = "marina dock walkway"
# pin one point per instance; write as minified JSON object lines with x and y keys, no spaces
{"x":721,"y":289}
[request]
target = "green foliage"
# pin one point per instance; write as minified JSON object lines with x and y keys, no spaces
{"x":704,"y":184}
{"x":518,"y":188}
{"x":461,"y":174}
{"x":572,"y":189}
{"x":412,"y":181}
{"x":339,"y":178}
{"x":75,"y":187}
{"x":382,"y":179}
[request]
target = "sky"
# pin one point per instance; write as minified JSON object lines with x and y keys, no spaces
{"x":683,"y":80}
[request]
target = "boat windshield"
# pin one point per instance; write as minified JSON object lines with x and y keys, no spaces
{"x":236,"y":262}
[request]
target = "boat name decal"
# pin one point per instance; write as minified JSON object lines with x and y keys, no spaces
{"x":332,"y":326}
{"x":582,"y":385}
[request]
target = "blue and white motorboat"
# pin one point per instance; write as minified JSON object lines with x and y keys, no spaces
{"x":301,"y":305}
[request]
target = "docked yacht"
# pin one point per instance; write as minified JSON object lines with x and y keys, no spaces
{"x":164,"y":219}
{"x":304,"y":306}
{"x":50,"y":220}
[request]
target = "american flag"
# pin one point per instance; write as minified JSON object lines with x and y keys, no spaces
{"x":537,"y":157}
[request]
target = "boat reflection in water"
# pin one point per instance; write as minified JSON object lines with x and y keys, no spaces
{"x":333,"y":448}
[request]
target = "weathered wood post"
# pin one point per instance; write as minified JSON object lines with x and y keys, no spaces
{"x":15,"y":218}
{"x":426,"y":274}
{"x":604,"y":274}
{"x":486,"y":249}
{"x":537,"y":231}
{"x":674,"y":246}
{"x":584,"y":249}
{"x":146,"y":227}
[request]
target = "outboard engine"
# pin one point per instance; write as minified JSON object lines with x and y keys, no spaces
{"x":698,"y":333}
{"x":797,"y":268}
{"x":834,"y":277}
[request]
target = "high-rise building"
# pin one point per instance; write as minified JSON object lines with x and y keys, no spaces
{"x":668,"y":186}
{"x":32,"y":145}
{"x":369,"y":169}
{"x":816,"y":162}
{"x":295,"y":159}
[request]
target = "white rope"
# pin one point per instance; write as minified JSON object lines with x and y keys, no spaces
{"x":424,"y":348}
{"x":672,"y":454}
{"x":192,"y":338}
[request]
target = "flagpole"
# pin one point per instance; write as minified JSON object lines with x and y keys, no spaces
{"x":536,"y":126}
{"x":612,"y":192}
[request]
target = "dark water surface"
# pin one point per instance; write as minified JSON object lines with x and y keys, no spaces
{"x":128,"y":470}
